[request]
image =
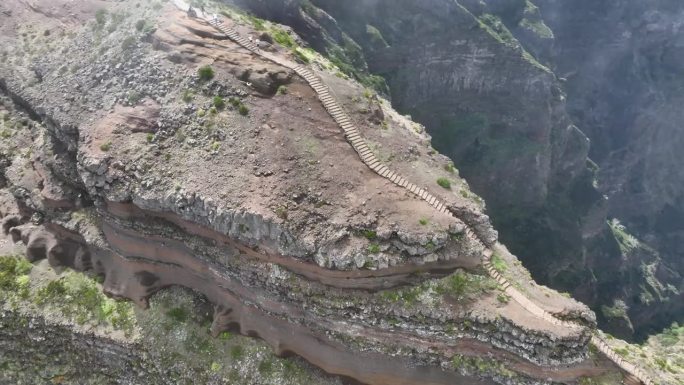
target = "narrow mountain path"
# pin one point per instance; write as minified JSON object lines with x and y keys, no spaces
{"x":353,"y":135}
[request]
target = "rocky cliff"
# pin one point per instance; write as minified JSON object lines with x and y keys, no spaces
{"x":513,"y":92}
{"x":149,"y":149}
{"x":623,"y":64}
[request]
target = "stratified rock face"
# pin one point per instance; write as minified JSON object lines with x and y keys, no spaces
{"x":132,"y":166}
{"x":624,"y":64}
{"x":470,"y":71}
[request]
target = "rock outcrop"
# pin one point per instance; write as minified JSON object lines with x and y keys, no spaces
{"x":156,"y":162}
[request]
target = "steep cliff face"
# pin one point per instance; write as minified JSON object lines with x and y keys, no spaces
{"x":503,"y":86}
{"x":624,"y":63}
{"x":497,"y":112}
{"x":149,"y":150}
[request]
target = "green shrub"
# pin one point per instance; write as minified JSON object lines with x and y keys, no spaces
{"x":465,"y":286}
{"x":219,"y":103}
{"x":423,"y":221}
{"x":373,"y":248}
{"x":301,"y":56}
{"x":281,"y":212}
{"x":187,"y":96}
{"x":14,"y":275}
{"x":449,"y":168}
{"x":140,"y":24}
{"x":235,"y":102}
{"x":106,"y":146}
{"x":282,"y":90}
{"x":243,"y":110}
{"x":369,"y":234}
{"x":503,"y":298}
{"x":128,"y":43}
{"x":205,"y":73}
{"x":236,"y":352}
{"x":444,"y":182}
{"x":283,"y":38}
{"x":134,"y":97}
{"x":178,"y":314}
{"x":498,"y":263}
{"x":150,"y":137}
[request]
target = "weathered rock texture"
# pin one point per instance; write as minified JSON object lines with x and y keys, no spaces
{"x":129,"y":166}
{"x":624,"y":63}
{"x":503,"y":86}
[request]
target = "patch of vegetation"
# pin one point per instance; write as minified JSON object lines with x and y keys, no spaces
{"x":369,"y":234}
{"x":281,"y":212}
{"x":134,"y":97}
{"x":128,"y":43}
{"x":618,"y":310}
{"x":373,"y":248}
{"x":498,"y":263}
{"x":283,"y":38}
{"x":14,"y":277}
{"x":80,"y":298}
{"x":466,"y":286}
{"x":237,"y":352}
{"x":149,"y":137}
{"x":178,"y":314}
{"x":624,"y":352}
{"x":472,"y":365}
{"x":205,"y":73}
{"x":243,"y":110}
{"x":423,"y":221}
{"x":225,"y":336}
{"x":408,"y":296}
{"x":219,"y":103}
{"x":299,"y":54}
{"x":144,"y":26}
{"x":258,"y":24}
{"x":672,"y":335}
{"x":626,"y":241}
{"x":235,"y":102}
{"x":503,"y":298}
{"x":5,"y":133}
{"x":187,"y":96}
{"x":348,"y":57}
{"x":532,"y":21}
{"x":106,"y":146}
{"x":376,"y":37}
{"x":495,"y":27}
{"x":266,"y":367}
{"x":444,"y":183}
{"x":282,"y":90}
{"x":449,"y":167}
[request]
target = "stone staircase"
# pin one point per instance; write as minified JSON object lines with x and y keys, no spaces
{"x":353,"y":136}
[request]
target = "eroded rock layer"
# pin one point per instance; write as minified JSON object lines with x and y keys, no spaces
{"x":263,"y":208}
